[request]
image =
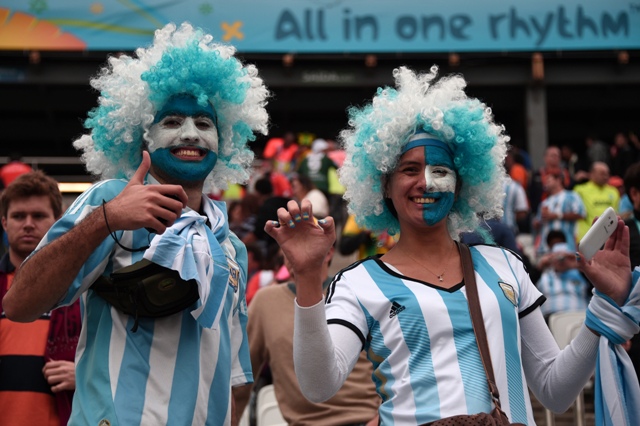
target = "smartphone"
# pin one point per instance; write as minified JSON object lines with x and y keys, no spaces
{"x":598,"y":234}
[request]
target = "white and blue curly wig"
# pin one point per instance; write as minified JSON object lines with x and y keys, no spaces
{"x":377,"y":133}
{"x":182,"y":60}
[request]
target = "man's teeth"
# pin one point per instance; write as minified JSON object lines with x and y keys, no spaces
{"x":424,"y":200}
{"x":188,"y":152}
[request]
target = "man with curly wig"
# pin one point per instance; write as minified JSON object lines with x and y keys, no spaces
{"x":426,"y":160}
{"x":164,"y":343}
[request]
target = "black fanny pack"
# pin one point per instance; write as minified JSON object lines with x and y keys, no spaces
{"x":147,"y":290}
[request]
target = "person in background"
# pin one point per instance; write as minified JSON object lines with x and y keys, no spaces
{"x":516,"y":207}
{"x":501,"y":234}
{"x":268,"y":203}
{"x":565,"y":288}
{"x":623,"y":154}
{"x":14,"y":168}
{"x":515,"y":169}
{"x":552,"y":164}
{"x":317,"y":165}
{"x":304,"y":189}
{"x":270,"y":329}
{"x":425,"y":159}
{"x":560,"y":210}
{"x":625,"y":206}
{"x":282,"y":152}
{"x":355,"y":237}
{"x":37,"y":371}
{"x":596,"y":195}
{"x":175,"y":120}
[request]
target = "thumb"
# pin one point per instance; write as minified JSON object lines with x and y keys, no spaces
{"x":143,"y":169}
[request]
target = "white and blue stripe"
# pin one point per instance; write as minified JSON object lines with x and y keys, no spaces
{"x":425,"y":357}
{"x":172,"y":370}
{"x":561,"y":203}
{"x":620,"y":404}
{"x":565,"y":291}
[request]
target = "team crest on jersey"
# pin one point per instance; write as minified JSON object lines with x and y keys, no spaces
{"x":234,"y":274}
{"x":508,"y":291}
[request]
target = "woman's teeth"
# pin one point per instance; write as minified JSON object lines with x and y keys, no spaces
{"x":424,"y":200}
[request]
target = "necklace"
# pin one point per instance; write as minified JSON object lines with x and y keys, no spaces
{"x":440,"y":276}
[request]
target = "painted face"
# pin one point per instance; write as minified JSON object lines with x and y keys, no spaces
{"x":186,"y":139}
{"x":440,"y":181}
{"x":424,"y":183}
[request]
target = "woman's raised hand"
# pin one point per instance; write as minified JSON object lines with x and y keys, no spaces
{"x":610,"y":268}
{"x":303,"y":240}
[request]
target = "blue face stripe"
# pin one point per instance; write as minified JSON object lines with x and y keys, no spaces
{"x":434,"y":213}
{"x":184,"y":389}
{"x":476,"y":389}
{"x":185,"y":105}
{"x":509,"y":317}
{"x":437,"y":155}
{"x":134,"y":372}
{"x":422,"y":138}
{"x":183,"y":170}
{"x":416,"y":337}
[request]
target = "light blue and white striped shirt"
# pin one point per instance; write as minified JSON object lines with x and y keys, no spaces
{"x":565,"y":291}
{"x":561,"y":203}
{"x":171,"y":371}
{"x":420,"y":340}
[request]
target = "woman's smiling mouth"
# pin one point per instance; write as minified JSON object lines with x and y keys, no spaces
{"x":424,"y":200}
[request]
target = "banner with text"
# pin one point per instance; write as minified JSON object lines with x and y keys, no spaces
{"x":331,"y":26}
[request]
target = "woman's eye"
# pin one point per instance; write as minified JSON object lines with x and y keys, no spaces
{"x":410,"y":170}
{"x":440,"y":172}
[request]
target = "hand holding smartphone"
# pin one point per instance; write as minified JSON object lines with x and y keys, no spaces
{"x":598,"y":234}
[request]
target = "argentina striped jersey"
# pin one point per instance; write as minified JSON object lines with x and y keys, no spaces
{"x":565,"y":291}
{"x":561,"y":203}
{"x":171,"y":371}
{"x":420,"y":340}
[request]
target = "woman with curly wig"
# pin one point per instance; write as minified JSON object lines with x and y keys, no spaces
{"x":160,"y":277}
{"x":426,"y":160}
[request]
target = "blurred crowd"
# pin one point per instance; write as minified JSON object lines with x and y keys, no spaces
{"x":546,"y":212}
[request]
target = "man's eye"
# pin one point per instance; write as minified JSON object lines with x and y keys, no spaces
{"x":172,"y":122}
{"x":204,"y":124}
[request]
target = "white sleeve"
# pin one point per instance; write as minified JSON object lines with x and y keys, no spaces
{"x":323,"y":355}
{"x":556,"y":377}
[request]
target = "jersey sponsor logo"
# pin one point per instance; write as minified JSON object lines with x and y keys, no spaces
{"x":509,"y":292}
{"x":396,"y":308}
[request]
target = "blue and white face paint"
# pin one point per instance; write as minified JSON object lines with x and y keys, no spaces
{"x":185,"y":138}
{"x":439,"y":174}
